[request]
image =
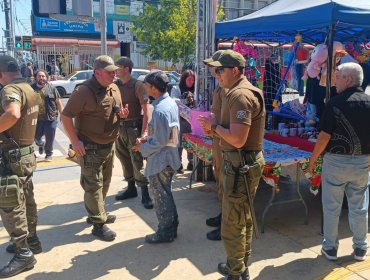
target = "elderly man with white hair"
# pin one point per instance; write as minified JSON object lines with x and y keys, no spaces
{"x":345,"y":139}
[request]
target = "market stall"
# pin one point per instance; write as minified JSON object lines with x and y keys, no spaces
{"x":316,"y":21}
{"x":277,"y":156}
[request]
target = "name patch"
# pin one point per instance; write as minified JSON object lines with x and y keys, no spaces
{"x":33,"y":109}
{"x":241,"y":115}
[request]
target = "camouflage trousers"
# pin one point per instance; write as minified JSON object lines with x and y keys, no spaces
{"x":164,"y":204}
{"x":96,"y":174}
{"x":131,"y":161}
{"x":20,"y":222}
{"x":236,"y":224}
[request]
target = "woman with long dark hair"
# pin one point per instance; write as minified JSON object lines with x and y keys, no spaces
{"x":185,"y":91}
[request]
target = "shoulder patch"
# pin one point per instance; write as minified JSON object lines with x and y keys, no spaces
{"x":241,"y":114}
{"x":13,"y":96}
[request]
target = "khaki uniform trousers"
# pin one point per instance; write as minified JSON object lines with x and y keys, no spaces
{"x":20,"y":222}
{"x":131,"y":161}
{"x":96,"y":174}
{"x":237,"y":225}
{"x":217,"y":165}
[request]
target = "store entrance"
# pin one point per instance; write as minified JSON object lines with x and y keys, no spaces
{"x":125,"y":49}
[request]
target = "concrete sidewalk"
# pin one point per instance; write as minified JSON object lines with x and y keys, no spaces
{"x":288,"y":249}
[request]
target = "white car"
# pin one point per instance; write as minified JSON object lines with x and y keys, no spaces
{"x":67,"y":85}
{"x":137,"y":72}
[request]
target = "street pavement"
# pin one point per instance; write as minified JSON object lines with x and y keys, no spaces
{"x":289,"y":249}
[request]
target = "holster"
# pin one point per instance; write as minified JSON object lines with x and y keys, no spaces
{"x":10,"y":191}
{"x":20,"y":161}
{"x":252,"y":169}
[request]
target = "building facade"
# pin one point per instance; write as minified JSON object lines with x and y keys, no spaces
{"x":238,"y":8}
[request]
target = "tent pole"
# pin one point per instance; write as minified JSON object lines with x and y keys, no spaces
{"x":330,"y":62}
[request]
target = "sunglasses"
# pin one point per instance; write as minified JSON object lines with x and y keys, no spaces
{"x":221,"y":69}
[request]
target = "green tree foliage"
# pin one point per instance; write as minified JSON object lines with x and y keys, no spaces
{"x":169,"y":29}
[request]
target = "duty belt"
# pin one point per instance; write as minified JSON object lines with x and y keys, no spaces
{"x":22,"y":151}
{"x":94,"y":146}
{"x":249,"y":156}
{"x":131,"y":123}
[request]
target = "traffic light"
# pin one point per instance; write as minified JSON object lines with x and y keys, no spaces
{"x":27,"y":43}
{"x":18,"y":42}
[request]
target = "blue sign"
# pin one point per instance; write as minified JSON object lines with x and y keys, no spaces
{"x":52,"y":25}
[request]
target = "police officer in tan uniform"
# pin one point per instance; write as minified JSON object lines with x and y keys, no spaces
{"x":216,"y":150}
{"x":18,"y":210}
{"x":241,"y":131}
{"x":134,"y":126}
{"x":96,"y":108}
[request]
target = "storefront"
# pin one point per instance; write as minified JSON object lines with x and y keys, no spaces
{"x":70,"y":54}
{"x":64,"y":47}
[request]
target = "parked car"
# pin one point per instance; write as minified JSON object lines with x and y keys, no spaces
{"x":137,"y":72}
{"x":67,"y":85}
{"x":173,"y":80}
{"x":176,"y":74}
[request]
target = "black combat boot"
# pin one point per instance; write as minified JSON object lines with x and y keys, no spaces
{"x":222,"y":269}
{"x":214,"y":235}
{"x":215,"y":221}
{"x":23,"y":260}
{"x":145,"y":198}
{"x":159,"y":238}
{"x":130,"y":192}
{"x":33,"y":243}
{"x":103,"y":232}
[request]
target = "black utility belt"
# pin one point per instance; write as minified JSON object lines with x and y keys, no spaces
{"x":94,"y":146}
{"x":131,"y":123}
{"x":247,"y":154}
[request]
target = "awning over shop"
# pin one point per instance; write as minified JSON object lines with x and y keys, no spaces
{"x":71,"y":42}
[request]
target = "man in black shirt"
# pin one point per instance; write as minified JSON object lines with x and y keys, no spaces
{"x":345,"y":138}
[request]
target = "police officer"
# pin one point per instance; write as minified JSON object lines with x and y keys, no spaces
{"x":216,"y":150}
{"x":96,"y":108}
{"x":135,"y":126}
{"x":241,"y":130}
{"x":18,"y":117}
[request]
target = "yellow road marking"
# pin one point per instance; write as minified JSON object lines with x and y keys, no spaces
{"x":55,"y":161}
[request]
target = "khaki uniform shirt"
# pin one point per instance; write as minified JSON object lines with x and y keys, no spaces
{"x":133,"y":93}
{"x":91,"y":106}
{"x":241,"y":106}
{"x":21,"y":93}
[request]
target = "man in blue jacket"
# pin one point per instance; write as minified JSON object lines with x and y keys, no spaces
{"x":160,"y":149}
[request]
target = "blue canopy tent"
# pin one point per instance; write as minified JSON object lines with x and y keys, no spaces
{"x":313,"y":19}
{"x":316,"y":20}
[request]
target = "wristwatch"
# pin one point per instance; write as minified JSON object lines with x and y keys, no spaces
{"x":213,"y":127}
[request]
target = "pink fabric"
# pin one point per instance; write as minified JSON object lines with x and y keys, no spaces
{"x":195,"y":125}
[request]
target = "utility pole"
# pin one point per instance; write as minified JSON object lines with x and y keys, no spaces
{"x":103,"y":27}
{"x":8,"y":32}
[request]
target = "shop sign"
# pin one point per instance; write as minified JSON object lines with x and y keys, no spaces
{"x":52,"y":25}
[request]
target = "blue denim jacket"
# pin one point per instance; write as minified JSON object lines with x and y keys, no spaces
{"x":159,"y":155}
